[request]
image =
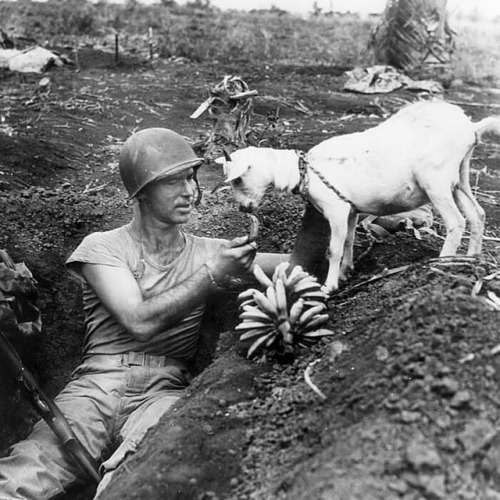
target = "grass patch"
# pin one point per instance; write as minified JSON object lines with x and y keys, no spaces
{"x":202,"y":33}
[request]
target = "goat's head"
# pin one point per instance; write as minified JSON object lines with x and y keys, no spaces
{"x":246,"y":174}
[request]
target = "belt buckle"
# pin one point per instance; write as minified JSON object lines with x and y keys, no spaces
{"x":136,"y":358}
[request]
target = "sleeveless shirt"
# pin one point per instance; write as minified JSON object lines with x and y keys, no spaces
{"x":121,"y":248}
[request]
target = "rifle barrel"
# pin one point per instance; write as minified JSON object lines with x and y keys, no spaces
{"x":50,"y":412}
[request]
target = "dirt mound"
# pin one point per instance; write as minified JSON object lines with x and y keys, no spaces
{"x":409,"y":409}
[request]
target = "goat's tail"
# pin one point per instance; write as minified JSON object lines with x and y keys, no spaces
{"x":488,"y":125}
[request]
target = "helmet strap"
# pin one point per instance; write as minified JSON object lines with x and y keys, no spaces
{"x":200,"y":193}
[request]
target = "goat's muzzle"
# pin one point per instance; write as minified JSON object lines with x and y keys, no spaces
{"x":247,"y":209}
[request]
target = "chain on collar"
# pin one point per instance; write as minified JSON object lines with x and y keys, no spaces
{"x":302,"y":187}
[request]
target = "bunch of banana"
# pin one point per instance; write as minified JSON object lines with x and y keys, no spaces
{"x":288,"y":313}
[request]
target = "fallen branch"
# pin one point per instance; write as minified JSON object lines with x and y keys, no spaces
{"x":95,"y":189}
{"x":455,"y":260}
{"x":383,"y":274}
{"x":451,"y":275}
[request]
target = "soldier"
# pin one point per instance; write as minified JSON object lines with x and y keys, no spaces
{"x":145,"y":288}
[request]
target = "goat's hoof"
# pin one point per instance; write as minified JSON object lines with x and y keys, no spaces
{"x":327,"y":290}
{"x":345,"y":275}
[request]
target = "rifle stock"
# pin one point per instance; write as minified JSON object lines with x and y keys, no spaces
{"x":50,"y":412}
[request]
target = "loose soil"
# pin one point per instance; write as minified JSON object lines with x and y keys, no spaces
{"x":410,"y":378}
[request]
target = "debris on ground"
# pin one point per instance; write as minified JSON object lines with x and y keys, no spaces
{"x":229,"y":105}
{"x":382,"y":79}
{"x":32,"y":60}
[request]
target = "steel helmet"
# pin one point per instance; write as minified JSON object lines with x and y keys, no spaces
{"x":153,"y":153}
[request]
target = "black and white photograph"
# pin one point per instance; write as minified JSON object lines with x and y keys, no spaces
{"x":249,"y":250}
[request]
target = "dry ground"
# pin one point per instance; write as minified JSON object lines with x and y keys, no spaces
{"x":411,"y":377}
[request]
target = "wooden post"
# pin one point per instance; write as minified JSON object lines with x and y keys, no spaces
{"x":150,"y":43}
{"x":77,"y":60}
{"x":116,"y":48}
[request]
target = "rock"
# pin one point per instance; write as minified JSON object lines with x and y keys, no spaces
{"x":434,"y":486}
{"x":445,"y":387}
{"x":461,"y":399}
{"x":381,"y":353}
{"x":490,"y":465}
{"x":443,"y":421}
{"x":399,"y":486}
{"x":409,"y":417}
{"x":422,"y":455}
{"x":476,"y":435}
{"x":491,"y":495}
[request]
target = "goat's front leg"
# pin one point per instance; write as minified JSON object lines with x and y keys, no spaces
{"x":347,"y":263}
{"x":338,"y":220}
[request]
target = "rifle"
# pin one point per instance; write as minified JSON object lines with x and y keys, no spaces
{"x":17,"y":286}
{"x":50,"y":412}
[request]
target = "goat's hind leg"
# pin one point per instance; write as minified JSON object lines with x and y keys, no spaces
{"x":467,"y":202}
{"x":442,"y":201}
{"x":475,"y":216}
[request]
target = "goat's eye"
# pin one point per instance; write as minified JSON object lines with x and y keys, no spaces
{"x":237,"y":182}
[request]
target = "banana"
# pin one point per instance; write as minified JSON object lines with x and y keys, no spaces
{"x":271,"y":296}
{"x":255,"y":315}
{"x":261,"y":276}
{"x":294,"y":271}
{"x":253,"y":230}
{"x":311,"y":302}
{"x":310,"y":313}
{"x":306,"y":285}
{"x":265,"y":304}
{"x":305,"y":343}
{"x":318,"y":320}
{"x":291,"y":283}
{"x":252,"y":307}
{"x":292,"y":280}
{"x":280,"y":271}
{"x":255,"y":332}
{"x":285,"y":328}
{"x":280,"y":293}
{"x":272,"y":339}
{"x":250,"y":325}
{"x":315,"y":295}
{"x":258,"y":343}
{"x":322,"y":332}
{"x":307,"y":339}
{"x":296,"y":311}
{"x":247,"y":303}
{"x":246,"y":294}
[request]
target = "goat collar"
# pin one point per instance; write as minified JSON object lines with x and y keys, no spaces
{"x":302,"y":187}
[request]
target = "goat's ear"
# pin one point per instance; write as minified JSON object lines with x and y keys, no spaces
{"x":234,"y":171}
{"x":227,"y":156}
{"x":221,"y":161}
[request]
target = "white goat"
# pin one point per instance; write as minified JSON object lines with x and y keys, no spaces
{"x":418,"y":155}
